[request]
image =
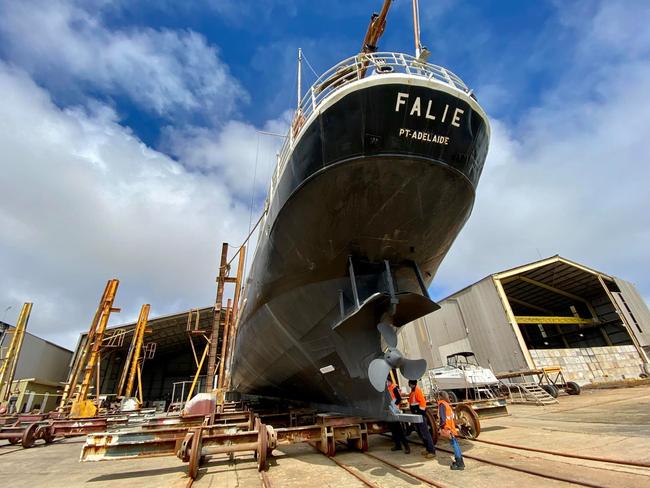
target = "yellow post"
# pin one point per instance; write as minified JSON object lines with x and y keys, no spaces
{"x":138,"y":340}
{"x":140,"y":385}
{"x":71,"y":385}
{"x":198,"y":371}
{"x":8,"y":368}
{"x":107,"y":308}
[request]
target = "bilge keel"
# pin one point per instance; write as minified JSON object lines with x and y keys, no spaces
{"x":375,"y":181}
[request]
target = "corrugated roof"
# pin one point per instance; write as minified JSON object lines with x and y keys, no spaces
{"x":554,"y":271}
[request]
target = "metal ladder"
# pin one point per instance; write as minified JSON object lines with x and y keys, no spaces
{"x":483,"y":392}
{"x":529,"y":393}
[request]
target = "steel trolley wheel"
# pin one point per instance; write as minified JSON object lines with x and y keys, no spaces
{"x":467,"y":421}
{"x":262,"y":446}
{"x":195,"y":453}
{"x":29,"y":436}
{"x":432,"y":421}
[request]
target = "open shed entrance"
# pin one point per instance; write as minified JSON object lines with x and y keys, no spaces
{"x":172,"y":362}
{"x":561,"y":304}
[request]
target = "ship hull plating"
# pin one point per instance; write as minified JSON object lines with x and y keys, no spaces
{"x":385,"y":173}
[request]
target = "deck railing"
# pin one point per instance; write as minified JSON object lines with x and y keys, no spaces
{"x":353,"y":69}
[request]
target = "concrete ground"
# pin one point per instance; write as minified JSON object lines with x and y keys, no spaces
{"x":612,"y":423}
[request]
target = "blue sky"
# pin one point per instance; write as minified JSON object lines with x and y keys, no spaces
{"x":129,"y":143}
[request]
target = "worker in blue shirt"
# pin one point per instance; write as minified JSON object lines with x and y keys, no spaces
{"x":448,"y":428}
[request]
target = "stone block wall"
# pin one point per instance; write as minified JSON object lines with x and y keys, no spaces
{"x":591,"y":364}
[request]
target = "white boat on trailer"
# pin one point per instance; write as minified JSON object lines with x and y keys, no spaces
{"x":464,"y":378}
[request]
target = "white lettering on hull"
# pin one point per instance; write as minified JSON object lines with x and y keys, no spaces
{"x":423,"y":136}
{"x":414,"y":109}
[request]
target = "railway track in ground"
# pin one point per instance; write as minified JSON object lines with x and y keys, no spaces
{"x":368,"y":482}
{"x":638,"y":464}
{"x":548,"y":475}
{"x":355,"y":471}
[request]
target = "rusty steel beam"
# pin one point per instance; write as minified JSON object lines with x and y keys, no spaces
{"x":136,"y":444}
{"x":218,"y":314}
{"x":224,"y":342}
{"x":230,"y":334}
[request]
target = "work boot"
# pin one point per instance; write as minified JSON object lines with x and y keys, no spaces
{"x":396,"y":448}
{"x":457,"y":466}
{"x":428,"y":455}
{"x":407,"y":450}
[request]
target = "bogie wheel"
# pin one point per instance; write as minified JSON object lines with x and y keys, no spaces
{"x":183,"y":452}
{"x":550,"y":389}
{"x":195,"y":453}
{"x":467,"y":422}
{"x":262,"y":446}
{"x":13,"y":440}
{"x":432,"y":424}
{"x":29,"y":435}
{"x":572,"y":388}
{"x":453,"y":398}
{"x":364,"y":443}
{"x":272,"y":440}
{"x":44,"y":432}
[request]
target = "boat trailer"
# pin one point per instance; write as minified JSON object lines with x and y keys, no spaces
{"x":550,"y":379}
{"x":27,"y":429}
{"x":233,"y":431}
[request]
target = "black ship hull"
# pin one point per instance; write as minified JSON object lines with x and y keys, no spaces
{"x":383,"y":177}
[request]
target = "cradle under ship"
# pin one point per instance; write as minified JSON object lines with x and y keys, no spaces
{"x":375,"y":181}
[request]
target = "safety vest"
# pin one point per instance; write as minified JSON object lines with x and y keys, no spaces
{"x":450,"y":425}
{"x":391,"y":390}
{"x":416,"y":397}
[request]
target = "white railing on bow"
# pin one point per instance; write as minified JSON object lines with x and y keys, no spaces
{"x":347,"y":71}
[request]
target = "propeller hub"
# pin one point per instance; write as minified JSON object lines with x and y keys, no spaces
{"x":393,"y":357}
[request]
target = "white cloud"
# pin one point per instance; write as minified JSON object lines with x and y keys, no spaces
{"x":83,"y":200}
{"x":167,"y":72}
{"x":571,"y":177}
{"x":238,"y":153}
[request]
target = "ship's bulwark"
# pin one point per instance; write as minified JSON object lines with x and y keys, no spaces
{"x":388,"y":172}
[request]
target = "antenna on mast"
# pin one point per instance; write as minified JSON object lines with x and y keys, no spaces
{"x":416,"y":27}
{"x":299,"y":77}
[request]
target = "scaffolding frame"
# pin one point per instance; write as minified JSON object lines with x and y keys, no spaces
{"x":88,"y":363}
{"x":9,"y":362}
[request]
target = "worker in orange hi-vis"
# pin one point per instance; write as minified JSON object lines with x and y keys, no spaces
{"x":448,"y":428}
{"x":418,"y":405}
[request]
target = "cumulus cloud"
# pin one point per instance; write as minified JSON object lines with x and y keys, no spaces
{"x":84,"y":200}
{"x":239,"y":153}
{"x":570,"y":177}
{"x":67,"y":46}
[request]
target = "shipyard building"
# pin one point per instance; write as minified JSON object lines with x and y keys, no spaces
{"x":41,"y":368}
{"x":173,"y":345}
{"x":552,"y":312}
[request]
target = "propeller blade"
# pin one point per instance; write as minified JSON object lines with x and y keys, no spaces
{"x":388,"y":333}
{"x":378,"y":372}
{"x":413,"y":369}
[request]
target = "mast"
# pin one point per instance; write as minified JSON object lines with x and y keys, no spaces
{"x":416,"y":27}
{"x":299,"y":77}
{"x":375,"y":29}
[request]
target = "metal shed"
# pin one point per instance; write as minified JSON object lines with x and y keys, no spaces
{"x":552,"y":312}
{"x":172,"y":362}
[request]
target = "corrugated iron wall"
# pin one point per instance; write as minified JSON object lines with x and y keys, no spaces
{"x":474,"y":314}
{"x":640,"y":312}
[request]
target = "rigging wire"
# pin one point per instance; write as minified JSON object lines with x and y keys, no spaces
{"x":309,"y":64}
